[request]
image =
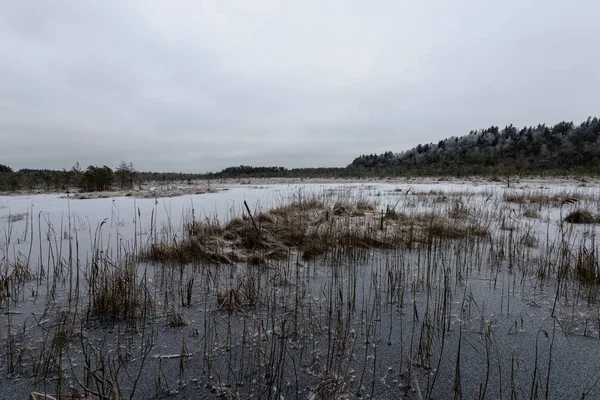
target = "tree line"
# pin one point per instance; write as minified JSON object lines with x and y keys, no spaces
{"x":93,"y":178}
{"x":562,"y":149}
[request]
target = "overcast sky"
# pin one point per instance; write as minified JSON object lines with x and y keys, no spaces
{"x":201,"y":85}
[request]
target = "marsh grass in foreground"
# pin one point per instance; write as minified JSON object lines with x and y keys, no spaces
{"x":316,"y":298}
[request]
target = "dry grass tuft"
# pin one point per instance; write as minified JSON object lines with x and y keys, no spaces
{"x":330,"y":386}
{"x":314,"y":230}
{"x":392,"y":214}
{"x":10,"y":282}
{"x":581,"y":216}
{"x":531,"y":213}
{"x":117,"y":294}
{"x":445,"y":229}
{"x":190,"y":250}
{"x":4,"y":289}
{"x":529,"y":240}
{"x":243,"y":296}
{"x":364,"y":205}
{"x":16,"y":217}
{"x":298,"y":205}
{"x":554,"y":200}
{"x":176,"y":319}
{"x":358,"y":208}
{"x":586,"y":266}
{"x":458,"y":210}
{"x":225,"y":392}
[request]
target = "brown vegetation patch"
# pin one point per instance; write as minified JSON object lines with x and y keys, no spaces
{"x":117,"y":294}
{"x":392,"y":214}
{"x":531,"y":213}
{"x":188,"y":251}
{"x":143,"y":194}
{"x":445,"y":229}
{"x":314,"y":230}
{"x":364,"y":205}
{"x":243,"y":296}
{"x":554,"y":200}
{"x":529,"y":240}
{"x":176,"y":319}
{"x":581,"y":216}
{"x":18,"y":275}
{"x":586,"y":266}
{"x":16,"y":217}
{"x":302,"y":205}
{"x":458,"y":210}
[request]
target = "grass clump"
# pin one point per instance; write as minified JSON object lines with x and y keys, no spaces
{"x":392,"y":214}
{"x":16,"y":217}
{"x":176,"y":318}
{"x":537,"y":197}
{"x":531,"y":213}
{"x":357,"y":208}
{"x":12,"y":281}
{"x":444,"y":229}
{"x":298,"y":205}
{"x":331,"y":386}
{"x":529,"y":240}
{"x":586,"y":266}
{"x":243,"y":296}
{"x":194,"y":248}
{"x":117,"y":294}
{"x":364,"y":205}
{"x":313,"y":229}
{"x":458,"y":210}
{"x":581,"y":216}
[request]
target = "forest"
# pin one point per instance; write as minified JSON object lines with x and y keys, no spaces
{"x":542,"y":150}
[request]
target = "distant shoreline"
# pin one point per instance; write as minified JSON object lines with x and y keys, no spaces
{"x":162,"y":190}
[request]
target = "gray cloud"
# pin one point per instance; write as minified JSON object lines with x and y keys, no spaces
{"x":198,"y":86}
